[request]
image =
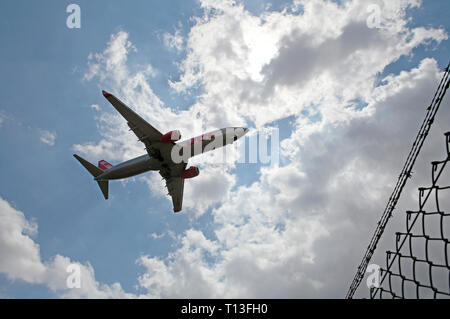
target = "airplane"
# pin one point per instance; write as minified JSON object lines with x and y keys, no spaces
{"x":164,"y":153}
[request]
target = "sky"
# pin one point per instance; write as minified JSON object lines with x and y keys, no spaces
{"x":345,"y":95}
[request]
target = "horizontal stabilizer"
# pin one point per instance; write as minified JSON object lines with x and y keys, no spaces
{"x":94,"y":170}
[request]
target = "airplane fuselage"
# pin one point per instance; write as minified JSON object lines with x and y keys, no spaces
{"x":132,"y":167}
{"x":180,"y":151}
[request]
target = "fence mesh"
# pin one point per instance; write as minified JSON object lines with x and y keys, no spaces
{"x":419,"y":267}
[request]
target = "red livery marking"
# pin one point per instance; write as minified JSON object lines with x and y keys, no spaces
{"x":171,"y":136}
{"x":104,"y":165}
{"x":106,"y":94}
{"x":191,"y":172}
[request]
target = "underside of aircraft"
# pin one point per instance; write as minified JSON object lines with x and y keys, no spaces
{"x":165,"y":154}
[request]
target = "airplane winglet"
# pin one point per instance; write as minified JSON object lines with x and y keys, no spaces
{"x":106,"y":94}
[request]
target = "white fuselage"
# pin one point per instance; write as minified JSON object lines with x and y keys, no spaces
{"x":188,"y":148}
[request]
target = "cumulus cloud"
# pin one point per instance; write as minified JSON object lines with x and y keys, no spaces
{"x":112,"y":60}
{"x":277,"y":64}
{"x":20,"y":254}
{"x":161,"y":281}
{"x":21,"y":260}
{"x":301,"y":228}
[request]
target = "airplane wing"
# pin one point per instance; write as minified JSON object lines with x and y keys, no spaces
{"x":151,"y":137}
{"x":146,"y":133}
{"x":140,"y":127}
{"x":175,"y":186}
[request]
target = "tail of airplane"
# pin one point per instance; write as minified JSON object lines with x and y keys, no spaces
{"x":96,"y":171}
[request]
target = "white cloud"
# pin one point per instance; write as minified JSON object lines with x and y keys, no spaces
{"x":95,"y":107}
{"x":112,"y":60}
{"x":21,"y":260}
{"x":267,"y":67}
{"x":301,"y":230}
{"x":162,"y":281}
{"x":20,"y":254}
{"x":209,"y":190}
{"x":174,"y":41}
{"x":48,"y":137}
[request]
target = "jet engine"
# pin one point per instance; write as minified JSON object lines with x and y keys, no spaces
{"x":171,"y":137}
{"x":190,"y":172}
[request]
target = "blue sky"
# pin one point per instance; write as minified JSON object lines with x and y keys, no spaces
{"x":43,"y":64}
